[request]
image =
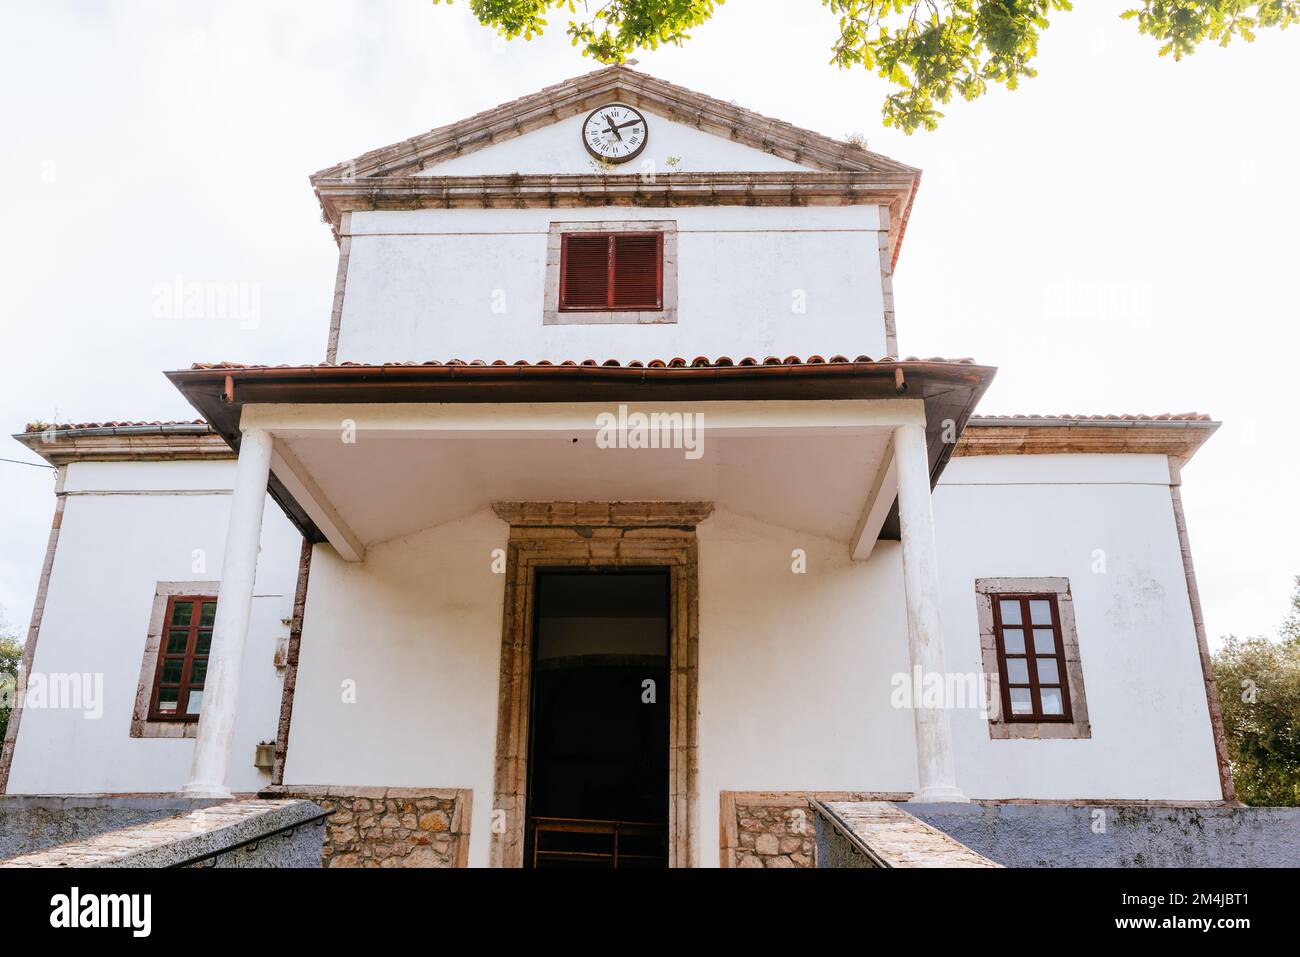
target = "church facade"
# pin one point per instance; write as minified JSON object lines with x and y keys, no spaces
{"x":613,"y":525}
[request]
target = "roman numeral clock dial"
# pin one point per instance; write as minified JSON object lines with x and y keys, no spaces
{"x":615,"y":133}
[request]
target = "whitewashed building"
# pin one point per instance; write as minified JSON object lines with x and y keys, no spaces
{"x":611,"y":519}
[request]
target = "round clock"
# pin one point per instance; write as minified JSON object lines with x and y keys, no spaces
{"x":615,"y":133}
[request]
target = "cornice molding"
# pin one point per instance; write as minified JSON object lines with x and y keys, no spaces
{"x":1177,"y":439}
{"x":582,"y":191}
{"x":61,"y":448}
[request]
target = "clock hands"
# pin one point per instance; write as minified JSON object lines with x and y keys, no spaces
{"x":607,"y":140}
{"x":612,"y":127}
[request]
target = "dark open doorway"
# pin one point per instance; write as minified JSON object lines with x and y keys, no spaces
{"x":598,"y":733}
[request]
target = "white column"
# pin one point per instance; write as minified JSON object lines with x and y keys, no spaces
{"x":230,"y":629}
{"x":936,"y":777}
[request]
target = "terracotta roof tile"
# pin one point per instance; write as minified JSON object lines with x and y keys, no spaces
{"x":699,"y":362}
{"x":80,"y":426}
{"x":1126,"y":417}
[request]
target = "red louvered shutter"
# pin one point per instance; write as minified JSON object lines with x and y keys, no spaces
{"x":611,"y":271}
{"x":584,"y":272}
{"x":637,"y":271}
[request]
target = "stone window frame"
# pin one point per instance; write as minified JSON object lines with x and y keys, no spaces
{"x":551,"y":314}
{"x":547,"y":535}
{"x":142,"y":726}
{"x":1000,"y":727}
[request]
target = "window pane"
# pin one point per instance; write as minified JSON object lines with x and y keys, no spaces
{"x":208,"y":614}
{"x":1021,"y":702}
{"x":1051,"y":698}
{"x":176,"y":641}
{"x":171,"y":671}
{"x":1044,"y":641}
{"x":1047,"y":672}
{"x":167,"y":698}
{"x":204,"y":642}
{"x":198,"y":673}
{"x":181,"y":614}
{"x":1013,"y":641}
{"x":1010,"y":608}
{"x":1040,"y":611}
{"x":195,"y":702}
{"x":1017,"y":671}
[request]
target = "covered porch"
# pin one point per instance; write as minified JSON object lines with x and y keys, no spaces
{"x":598,"y":466}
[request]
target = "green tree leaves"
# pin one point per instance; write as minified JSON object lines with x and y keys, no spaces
{"x":934,"y":50}
{"x":11,"y":657}
{"x":610,"y":32}
{"x":931,"y":50}
{"x":1182,"y":25}
{"x":1259,"y":694}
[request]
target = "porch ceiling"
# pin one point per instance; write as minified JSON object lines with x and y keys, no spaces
{"x":429,"y":448}
{"x":386,"y":486}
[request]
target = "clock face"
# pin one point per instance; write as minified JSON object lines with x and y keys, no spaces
{"x":615,"y":133}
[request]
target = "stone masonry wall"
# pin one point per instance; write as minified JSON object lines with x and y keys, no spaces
{"x":391,"y":827}
{"x":775,"y":828}
{"x":774,"y":837}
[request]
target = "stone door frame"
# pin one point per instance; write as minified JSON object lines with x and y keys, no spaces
{"x":598,"y":535}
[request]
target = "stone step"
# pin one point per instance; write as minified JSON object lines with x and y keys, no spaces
{"x":881,"y":834}
{"x":240,"y":833}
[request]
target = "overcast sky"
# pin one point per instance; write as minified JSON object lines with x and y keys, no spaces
{"x":1120,"y":235}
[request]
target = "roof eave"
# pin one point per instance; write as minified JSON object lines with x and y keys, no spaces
{"x":1178,"y":438}
{"x":126,"y":443}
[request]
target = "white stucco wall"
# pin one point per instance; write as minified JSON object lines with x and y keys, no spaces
{"x":416,"y":629}
{"x":470,"y":284}
{"x":1062,"y":515}
{"x":795,"y":668}
{"x":113,"y":550}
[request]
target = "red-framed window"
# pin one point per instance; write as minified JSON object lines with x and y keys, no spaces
{"x":183,"y":658}
{"x":611,"y":272}
{"x":1031,"y":658}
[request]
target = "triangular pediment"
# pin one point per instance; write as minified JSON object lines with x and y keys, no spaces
{"x":704,"y":133}
{"x":706,"y":151}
